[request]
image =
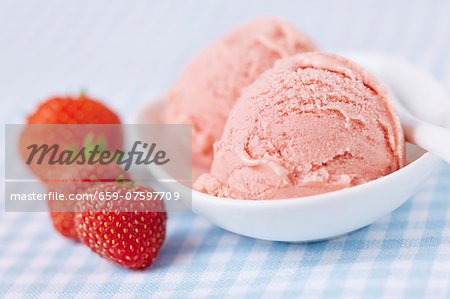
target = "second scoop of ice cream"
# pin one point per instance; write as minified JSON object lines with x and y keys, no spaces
{"x":209,"y":85}
{"x":314,"y":123}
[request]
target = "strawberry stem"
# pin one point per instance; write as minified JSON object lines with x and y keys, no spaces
{"x":122,"y":181}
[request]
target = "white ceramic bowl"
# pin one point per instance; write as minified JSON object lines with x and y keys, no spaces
{"x":320,"y":216}
{"x":326,"y":215}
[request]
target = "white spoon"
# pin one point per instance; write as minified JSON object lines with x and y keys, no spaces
{"x":434,"y":139}
{"x":335,"y":213}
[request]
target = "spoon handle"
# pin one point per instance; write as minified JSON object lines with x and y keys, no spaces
{"x":433,"y":138}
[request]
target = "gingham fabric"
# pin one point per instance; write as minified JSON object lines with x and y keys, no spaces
{"x":126,"y":51}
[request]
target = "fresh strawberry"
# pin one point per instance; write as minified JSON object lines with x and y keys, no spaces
{"x":71,"y":179}
{"x":127,"y":232}
{"x":75,"y":179}
{"x":72,"y":110}
{"x":64,"y":223}
{"x":82,"y":112}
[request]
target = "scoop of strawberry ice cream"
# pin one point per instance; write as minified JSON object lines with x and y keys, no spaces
{"x":314,"y":123}
{"x":209,"y":85}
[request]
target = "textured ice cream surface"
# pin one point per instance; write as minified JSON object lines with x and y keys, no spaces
{"x":313,"y":123}
{"x":209,"y":85}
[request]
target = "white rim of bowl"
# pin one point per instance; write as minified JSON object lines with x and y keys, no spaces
{"x":426,"y":158}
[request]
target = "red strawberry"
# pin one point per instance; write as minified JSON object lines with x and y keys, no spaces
{"x":72,"y":110}
{"x":64,"y":223}
{"x":67,"y":110}
{"x":75,"y":179}
{"x":69,"y":179}
{"x":127,"y":232}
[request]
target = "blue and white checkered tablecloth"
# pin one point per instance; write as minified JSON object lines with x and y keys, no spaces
{"x":123,"y":52}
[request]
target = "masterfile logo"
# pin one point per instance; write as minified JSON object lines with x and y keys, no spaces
{"x":53,"y":165}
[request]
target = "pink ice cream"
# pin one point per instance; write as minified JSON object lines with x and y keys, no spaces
{"x":209,"y":85}
{"x":313,"y":123}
